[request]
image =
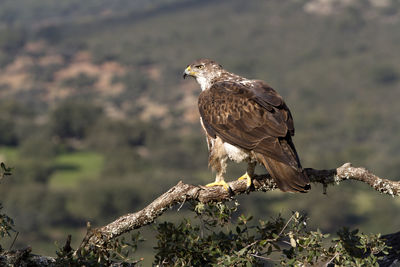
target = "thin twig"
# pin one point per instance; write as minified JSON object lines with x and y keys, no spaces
{"x":183,"y":202}
{"x":334,"y":256}
{"x":283,"y":229}
{"x":261,"y":257}
{"x":249,"y":245}
{"x":15,"y":238}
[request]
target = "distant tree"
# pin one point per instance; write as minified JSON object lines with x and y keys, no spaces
{"x":73,"y":119}
{"x":385,"y":75}
{"x":8,"y":135}
{"x":13,"y":117}
{"x":81,"y":81}
{"x":12,"y":39}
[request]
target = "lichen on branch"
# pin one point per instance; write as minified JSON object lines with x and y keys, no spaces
{"x":183,"y":192}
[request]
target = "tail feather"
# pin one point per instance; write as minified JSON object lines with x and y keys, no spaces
{"x":288,"y":178}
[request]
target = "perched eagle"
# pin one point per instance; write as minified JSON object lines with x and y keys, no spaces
{"x":246,"y":120}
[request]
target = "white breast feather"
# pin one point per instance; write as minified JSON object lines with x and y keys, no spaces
{"x":204,"y":83}
{"x":234,"y":153}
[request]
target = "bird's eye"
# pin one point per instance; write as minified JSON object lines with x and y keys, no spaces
{"x":199,"y":67}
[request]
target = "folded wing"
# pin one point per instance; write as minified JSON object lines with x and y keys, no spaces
{"x":254,"y":117}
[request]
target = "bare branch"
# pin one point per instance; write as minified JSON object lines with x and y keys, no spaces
{"x":183,"y":192}
{"x":348,"y":172}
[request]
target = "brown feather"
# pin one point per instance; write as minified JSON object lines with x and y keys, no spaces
{"x":256,"y":129}
{"x":255,"y":118}
{"x":288,"y":179}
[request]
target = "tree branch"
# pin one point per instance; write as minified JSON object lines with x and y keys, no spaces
{"x":348,"y":172}
{"x":99,"y":237}
{"x":182,"y":192}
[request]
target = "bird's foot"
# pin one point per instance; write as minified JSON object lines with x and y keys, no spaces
{"x":248,"y":180}
{"x":223,"y":183}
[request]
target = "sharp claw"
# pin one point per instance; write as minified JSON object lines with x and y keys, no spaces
{"x":223,"y":183}
{"x":248,"y":180}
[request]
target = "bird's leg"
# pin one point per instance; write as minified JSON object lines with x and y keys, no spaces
{"x":251,"y":165}
{"x":220,"y":167}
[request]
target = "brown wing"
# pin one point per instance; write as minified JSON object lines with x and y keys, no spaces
{"x":253,"y":117}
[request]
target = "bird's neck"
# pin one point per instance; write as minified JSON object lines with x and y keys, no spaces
{"x":226,"y":76}
{"x":204,"y":83}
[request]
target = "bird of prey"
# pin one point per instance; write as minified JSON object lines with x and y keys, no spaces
{"x":246,"y":120}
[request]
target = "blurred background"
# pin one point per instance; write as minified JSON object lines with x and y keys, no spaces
{"x":96,"y":120}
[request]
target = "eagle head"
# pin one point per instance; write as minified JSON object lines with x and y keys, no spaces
{"x":204,"y":71}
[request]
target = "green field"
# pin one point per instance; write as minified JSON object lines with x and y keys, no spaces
{"x":71,"y":168}
{"x":8,"y":154}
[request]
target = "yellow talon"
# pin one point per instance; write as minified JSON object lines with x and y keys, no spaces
{"x":223,"y":183}
{"x":248,"y":179}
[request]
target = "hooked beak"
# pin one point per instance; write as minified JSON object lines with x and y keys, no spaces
{"x":188,"y":72}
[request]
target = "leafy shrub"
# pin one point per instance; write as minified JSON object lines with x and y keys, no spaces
{"x":116,"y":251}
{"x":217,"y":242}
